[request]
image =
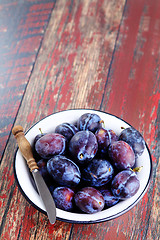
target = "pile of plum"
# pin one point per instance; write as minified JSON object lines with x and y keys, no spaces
{"x":86,"y":166}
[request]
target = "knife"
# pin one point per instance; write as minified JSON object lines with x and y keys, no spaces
{"x":26,"y":150}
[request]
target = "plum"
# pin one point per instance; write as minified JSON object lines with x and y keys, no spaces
{"x":89,"y":200}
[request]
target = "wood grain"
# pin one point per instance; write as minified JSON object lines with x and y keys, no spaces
{"x":59,"y":72}
{"x":101,"y":55}
{"x":22,"y":27}
{"x":74,"y":62}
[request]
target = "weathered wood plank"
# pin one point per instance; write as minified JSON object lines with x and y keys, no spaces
{"x":132,"y":92}
{"x":22,"y":26}
{"x":138,"y":88}
{"x":76,"y":59}
{"x":72,"y":58}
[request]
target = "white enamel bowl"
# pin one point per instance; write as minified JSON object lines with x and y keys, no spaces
{"x":48,"y":124}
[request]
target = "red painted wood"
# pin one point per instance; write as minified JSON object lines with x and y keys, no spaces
{"x":135,"y":68}
{"x":22,"y":27}
{"x":96,"y":54}
{"x":52,"y":79}
{"x":132,"y":92}
{"x":67,"y":71}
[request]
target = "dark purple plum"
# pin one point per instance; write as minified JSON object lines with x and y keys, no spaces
{"x":42,"y":165}
{"x":105,"y":138}
{"x":98,"y":172}
{"x":50,"y":144}
{"x":67,"y":130}
{"x":83,"y":146}
{"x":64,"y":171}
{"x":134,"y":139}
{"x":51,"y":187}
{"x":89,"y":121}
{"x":121,"y":155}
{"x":63,"y":197}
{"x":89,"y":200}
{"x":109,"y":198}
{"x":37,"y":137}
{"x":125,"y":184}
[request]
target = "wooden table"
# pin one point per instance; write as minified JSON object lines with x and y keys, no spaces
{"x":64,"y":54}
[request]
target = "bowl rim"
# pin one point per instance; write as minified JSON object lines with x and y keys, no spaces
{"x":91,"y":221}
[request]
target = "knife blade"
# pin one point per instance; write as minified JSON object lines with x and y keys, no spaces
{"x":45,"y":196}
{"x":26,"y":150}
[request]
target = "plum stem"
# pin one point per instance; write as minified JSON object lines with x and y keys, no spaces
{"x":137,"y":169}
{"x":40,"y":130}
{"x":103,"y":124}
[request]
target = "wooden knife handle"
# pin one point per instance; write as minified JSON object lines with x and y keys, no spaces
{"x":24,"y":147}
